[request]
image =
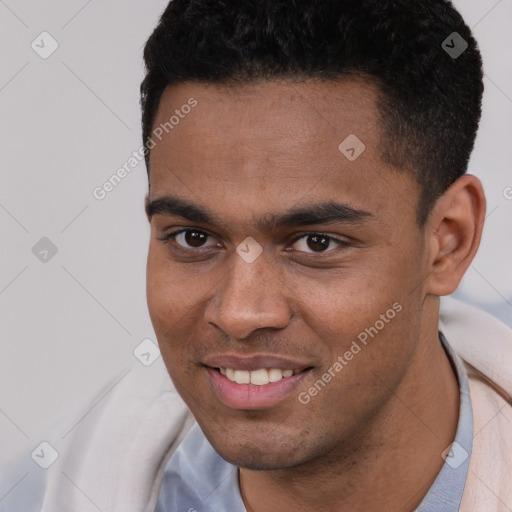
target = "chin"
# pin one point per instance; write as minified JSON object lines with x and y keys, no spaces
{"x":266,"y":456}
{"x":256,"y":462}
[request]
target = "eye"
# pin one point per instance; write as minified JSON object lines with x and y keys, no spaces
{"x":189,"y":238}
{"x":317,"y":243}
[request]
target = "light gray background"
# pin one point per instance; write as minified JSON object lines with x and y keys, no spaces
{"x":67,"y":124}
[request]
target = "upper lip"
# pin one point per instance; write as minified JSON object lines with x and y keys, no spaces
{"x":255,"y":362}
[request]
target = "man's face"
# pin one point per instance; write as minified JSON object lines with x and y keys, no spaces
{"x":260,"y":162}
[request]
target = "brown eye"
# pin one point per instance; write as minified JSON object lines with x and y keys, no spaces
{"x":195,"y":238}
{"x":189,"y":239}
{"x":317,"y":243}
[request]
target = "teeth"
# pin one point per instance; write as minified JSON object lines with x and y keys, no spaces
{"x":256,"y":377}
{"x":274,"y":375}
{"x":259,"y":377}
{"x":242,"y":377}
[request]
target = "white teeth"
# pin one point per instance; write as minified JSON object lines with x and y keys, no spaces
{"x":274,"y":375}
{"x":242,"y":377}
{"x":257,"y":377}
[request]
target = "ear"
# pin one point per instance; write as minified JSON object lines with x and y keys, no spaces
{"x":454,"y":229}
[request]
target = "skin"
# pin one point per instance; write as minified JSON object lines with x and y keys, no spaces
{"x":372,"y":438}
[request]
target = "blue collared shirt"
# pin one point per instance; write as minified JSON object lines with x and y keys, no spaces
{"x":198,"y":479}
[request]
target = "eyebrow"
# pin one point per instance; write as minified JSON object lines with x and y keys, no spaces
{"x":309,"y":214}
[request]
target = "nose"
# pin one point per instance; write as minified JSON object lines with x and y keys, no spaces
{"x":251,"y":296}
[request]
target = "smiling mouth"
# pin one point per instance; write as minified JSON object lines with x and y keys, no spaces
{"x":259,"y":377}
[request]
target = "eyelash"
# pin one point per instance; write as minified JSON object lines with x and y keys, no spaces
{"x":170,"y":237}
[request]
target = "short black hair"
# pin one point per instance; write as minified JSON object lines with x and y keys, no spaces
{"x":430,"y":98}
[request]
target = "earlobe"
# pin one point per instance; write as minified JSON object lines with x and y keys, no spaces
{"x":454,"y":230}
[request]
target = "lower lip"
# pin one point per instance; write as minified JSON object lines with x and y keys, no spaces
{"x":250,"y":396}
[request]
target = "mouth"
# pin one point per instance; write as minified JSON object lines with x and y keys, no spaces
{"x":251,"y":384}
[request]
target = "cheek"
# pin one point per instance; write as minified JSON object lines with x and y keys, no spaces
{"x":159,"y":298}
{"x":168,"y":299}
{"x":168,"y":288}
{"x":176,"y":298}
{"x":345,"y":299}
{"x":370,"y":305}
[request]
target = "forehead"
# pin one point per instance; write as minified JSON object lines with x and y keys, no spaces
{"x":282,"y":141}
{"x":283,"y":116}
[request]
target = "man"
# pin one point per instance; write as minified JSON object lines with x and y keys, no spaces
{"x":309,"y":204}
{"x":306,"y":215}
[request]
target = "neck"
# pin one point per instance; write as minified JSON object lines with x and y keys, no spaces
{"x":392,"y":462}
